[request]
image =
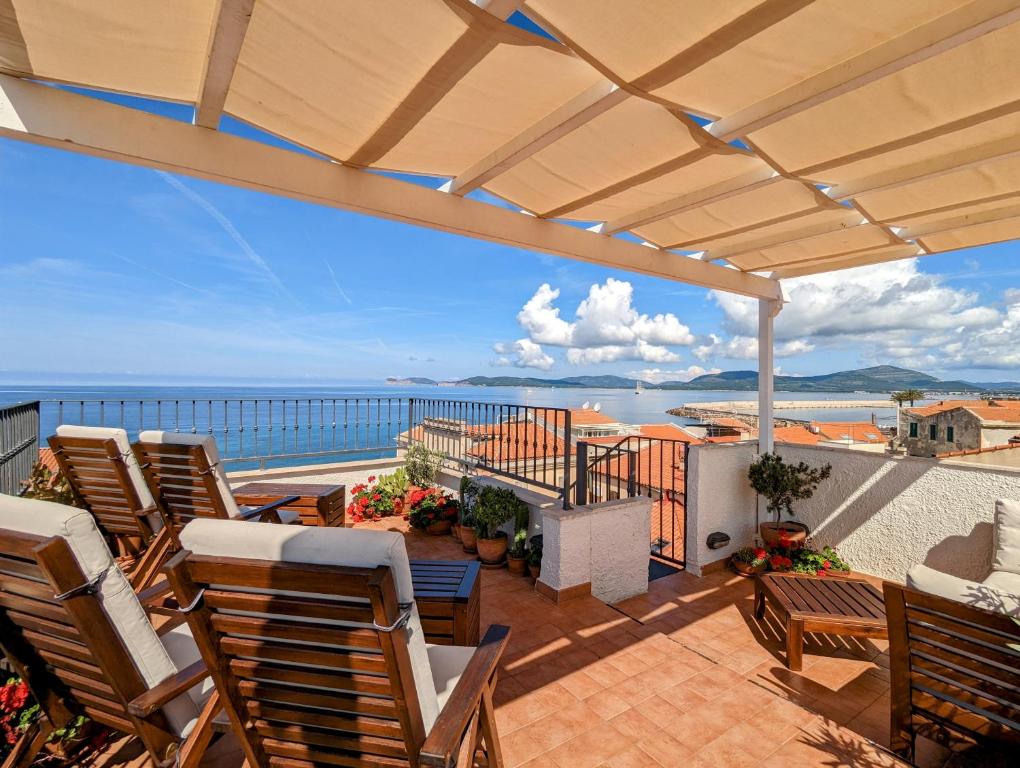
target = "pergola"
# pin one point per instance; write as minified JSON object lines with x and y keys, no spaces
{"x":723,"y":144}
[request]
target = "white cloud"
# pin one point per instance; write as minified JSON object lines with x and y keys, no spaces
{"x":522,"y":353}
{"x":606,"y":327}
{"x":658,"y":375}
{"x":746,"y":348}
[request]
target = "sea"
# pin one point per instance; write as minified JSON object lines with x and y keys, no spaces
{"x":213,"y":409}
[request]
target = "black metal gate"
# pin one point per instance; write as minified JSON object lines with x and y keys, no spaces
{"x":640,"y":466}
{"x":19,"y":444}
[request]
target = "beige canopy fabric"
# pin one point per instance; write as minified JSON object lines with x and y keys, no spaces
{"x":783,"y":137}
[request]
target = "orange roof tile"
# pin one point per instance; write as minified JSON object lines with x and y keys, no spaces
{"x":668,"y":432}
{"x":515,"y":441}
{"x":994,"y":410}
{"x":797,"y":434}
{"x":589,"y":416}
{"x":858,"y":431}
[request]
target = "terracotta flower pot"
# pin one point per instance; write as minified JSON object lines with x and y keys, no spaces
{"x":746,"y":569}
{"x":790,"y":533}
{"x":439,"y":528}
{"x":535,"y":571}
{"x":468,"y":539}
{"x":455,"y":531}
{"x":492,"y":551}
{"x":517,"y":565}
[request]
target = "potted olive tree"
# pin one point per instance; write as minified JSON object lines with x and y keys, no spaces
{"x":781,"y":484}
{"x":493,"y":507}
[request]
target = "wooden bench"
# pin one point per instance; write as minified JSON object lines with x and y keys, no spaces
{"x":318,"y":504}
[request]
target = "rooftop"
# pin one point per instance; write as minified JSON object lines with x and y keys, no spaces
{"x":1007,"y":411}
{"x":579,"y":416}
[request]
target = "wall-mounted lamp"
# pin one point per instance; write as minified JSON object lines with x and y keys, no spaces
{"x":717,"y":540}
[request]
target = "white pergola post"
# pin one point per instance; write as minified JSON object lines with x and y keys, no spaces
{"x":767,"y":311}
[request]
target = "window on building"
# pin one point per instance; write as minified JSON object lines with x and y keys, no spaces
{"x":950,"y":434}
{"x":913,"y":429}
{"x":933,"y":432}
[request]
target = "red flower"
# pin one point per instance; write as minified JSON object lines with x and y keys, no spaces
{"x":358,"y":488}
{"x":376,"y":496}
{"x":826,"y":565}
{"x":371,"y":478}
{"x":760,"y":553}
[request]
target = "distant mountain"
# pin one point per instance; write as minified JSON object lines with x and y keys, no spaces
{"x":395,"y":381}
{"x":591,"y":382}
{"x":880,"y":378}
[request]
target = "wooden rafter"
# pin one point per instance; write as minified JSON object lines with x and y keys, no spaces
{"x":949,"y":207}
{"x":56,"y":118}
{"x":225,"y":41}
{"x":962,"y":221}
{"x":929,"y":168}
{"x":700,"y":242}
{"x":790,"y":237}
{"x":863,"y":258}
{"x":924,"y":42}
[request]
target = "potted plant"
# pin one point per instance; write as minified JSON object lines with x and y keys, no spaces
{"x":431,"y":510}
{"x":535,"y":557}
{"x":747,"y":561}
{"x":468,"y":538}
{"x":516,"y":554}
{"x":493,"y":507}
{"x":824,"y":563}
{"x":468,"y":491}
{"x":781,"y":484}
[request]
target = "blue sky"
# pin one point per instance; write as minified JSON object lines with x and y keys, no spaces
{"x":112,"y":269}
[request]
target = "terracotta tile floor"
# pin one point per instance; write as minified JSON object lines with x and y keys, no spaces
{"x":682,"y":676}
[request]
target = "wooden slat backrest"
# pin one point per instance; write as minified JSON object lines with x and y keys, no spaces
{"x":300,"y":688}
{"x":182,"y":481}
{"x":99,"y":480}
{"x":955,"y":670}
{"x":65,"y":647}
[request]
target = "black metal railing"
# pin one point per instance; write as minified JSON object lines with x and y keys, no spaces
{"x":19,"y":444}
{"x":525,"y":443}
{"x":640,"y":466}
{"x":253,"y":431}
{"x":529,"y":444}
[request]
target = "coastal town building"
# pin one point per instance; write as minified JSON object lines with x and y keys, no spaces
{"x":589,"y":422}
{"x":952,"y":426}
{"x":856,"y":435}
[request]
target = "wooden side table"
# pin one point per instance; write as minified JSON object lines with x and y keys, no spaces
{"x":321,"y":505}
{"x":831,"y":604}
{"x":448,"y":595}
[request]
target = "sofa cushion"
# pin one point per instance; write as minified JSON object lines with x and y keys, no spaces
{"x":120,"y":437}
{"x":974,"y":593}
{"x":448,"y":663}
{"x":1006,"y":556}
{"x":118,"y":601}
{"x":1006,"y":581}
{"x":181,"y":648}
{"x":208,"y":442}
{"x":326,"y":546}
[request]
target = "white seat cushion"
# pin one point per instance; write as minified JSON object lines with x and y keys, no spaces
{"x":120,"y":437}
{"x":1006,"y":581}
{"x":326,"y":546}
{"x":181,"y":648}
{"x":986,"y":596}
{"x":448,"y":663}
{"x":1007,"y":536}
{"x":208,"y":442}
{"x":118,"y":601}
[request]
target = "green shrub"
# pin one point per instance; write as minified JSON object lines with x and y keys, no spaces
{"x":781,"y":484}
{"x":493,"y":507}
{"x":422,"y":465}
{"x":395,"y":485}
{"x":44,"y":485}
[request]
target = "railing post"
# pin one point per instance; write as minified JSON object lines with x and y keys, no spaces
{"x":632,"y":462}
{"x":567,"y":455}
{"x":581,"y":487}
{"x":410,"y":421}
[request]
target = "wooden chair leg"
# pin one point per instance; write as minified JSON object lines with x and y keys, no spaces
{"x":794,"y":644}
{"x":198,"y":741}
{"x":487,"y":716}
{"x":27,"y":747}
{"x":759,"y":601}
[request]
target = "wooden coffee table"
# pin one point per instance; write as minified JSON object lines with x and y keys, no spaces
{"x":834,"y":605}
{"x":321,"y":505}
{"x":447,"y":593}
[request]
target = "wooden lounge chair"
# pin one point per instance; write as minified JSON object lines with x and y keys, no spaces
{"x":185,"y":476}
{"x":104,"y":477}
{"x":955,"y":668}
{"x":315,"y":644}
{"x":75,"y":631}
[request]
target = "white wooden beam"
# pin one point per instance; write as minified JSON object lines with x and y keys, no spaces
{"x":225,"y":41}
{"x":962,"y":221}
{"x":738,"y":185}
{"x":948,"y":31}
{"x":929,"y":168}
{"x":802,"y":234}
{"x":767,"y":311}
{"x":836,"y":262}
{"x":583,"y":108}
{"x":57,"y":118}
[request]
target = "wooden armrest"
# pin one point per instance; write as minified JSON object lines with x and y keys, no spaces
{"x":165,"y":692}
{"x":158,"y":599}
{"x":443,"y":743}
{"x":267,"y":513}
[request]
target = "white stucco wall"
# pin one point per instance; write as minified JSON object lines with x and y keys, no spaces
{"x":883,"y":514}
{"x":605,"y":544}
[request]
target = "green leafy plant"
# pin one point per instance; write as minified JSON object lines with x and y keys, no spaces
{"x":468,"y":494}
{"x":522,"y":521}
{"x":535,"y":551}
{"x":781,"y":484}
{"x":493,"y":507}
{"x":422,"y":465}
{"x":370,"y":501}
{"x":806,"y":560}
{"x":395,"y":484}
{"x":45,"y":485}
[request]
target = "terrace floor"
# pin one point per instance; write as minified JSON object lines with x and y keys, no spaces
{"x":682,"y":676}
